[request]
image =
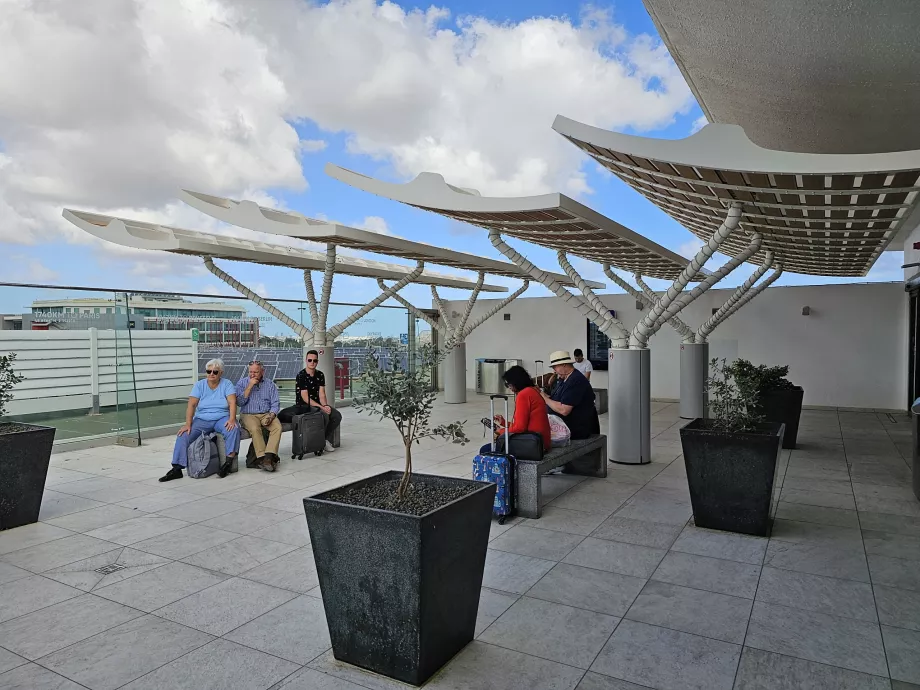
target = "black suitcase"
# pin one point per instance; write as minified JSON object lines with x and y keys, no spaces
{"x":308,"y":434}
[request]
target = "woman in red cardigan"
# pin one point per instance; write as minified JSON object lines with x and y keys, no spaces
{"x":529,"y":410}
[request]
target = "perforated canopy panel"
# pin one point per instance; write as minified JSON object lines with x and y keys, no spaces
{"x":248,"y":214}
{"x":140,"y":235}
{"x":550,"y":220}
{"x":821,"y":214}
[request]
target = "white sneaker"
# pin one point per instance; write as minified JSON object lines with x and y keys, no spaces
{"x":329,"y":447}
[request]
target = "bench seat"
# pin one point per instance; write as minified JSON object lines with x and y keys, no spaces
{"x":585,"y":457}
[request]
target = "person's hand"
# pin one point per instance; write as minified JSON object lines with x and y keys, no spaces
{"x":184,"y":430}
{"x":230,"y":425}
{"x":326,"y":408}
{"x":544,"y":396}
{"x":253,"y":380}
{"x":268,"y":419}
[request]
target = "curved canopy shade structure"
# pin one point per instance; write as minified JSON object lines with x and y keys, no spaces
{"x":819,"y":214}
{"x":141,"y":235}
{"x":550,"y":220}
{"x":248,"y":214}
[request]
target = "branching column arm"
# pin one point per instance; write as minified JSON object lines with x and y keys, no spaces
{"x":412,"y":308}
{"x":657,"y":316}
{"x":610,"y":322}
{"x":469,"y":306}
{"x":301,"y":330}
{"x":677,"y":324}
{"x":311,"y":297}
{"x":729,"y":266}
{"x":328,"y":272}
{"x":494,"y":310}
{"x":777,"y":272}
{"x":377,"y":301}
{"x":442,"y":310}
{"x":739,"y":292}
{"x":720,"y":316}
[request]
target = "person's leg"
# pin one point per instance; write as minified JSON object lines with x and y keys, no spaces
{"x":287,"y":414}
{"x":332,"y":422}
{"x":180,"y":449}
{"x":231,"y":438}
{"x":274,"y":437}
{"x":253,"y":424}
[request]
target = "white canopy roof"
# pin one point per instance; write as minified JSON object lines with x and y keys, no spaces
{"x":551,"y":220}
{"x":821,"y":214}
{"x":141,"y":235}
{"x":248,"y":214}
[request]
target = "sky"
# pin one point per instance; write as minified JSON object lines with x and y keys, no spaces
{"x":114,"y":105}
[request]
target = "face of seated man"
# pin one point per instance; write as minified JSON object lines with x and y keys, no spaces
{"x":256,"y":372}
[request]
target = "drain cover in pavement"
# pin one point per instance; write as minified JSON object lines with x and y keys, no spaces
{"x":109,"y":569}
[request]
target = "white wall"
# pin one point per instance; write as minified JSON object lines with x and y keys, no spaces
{"x":64,"y":370}
{"x":850,"y":352}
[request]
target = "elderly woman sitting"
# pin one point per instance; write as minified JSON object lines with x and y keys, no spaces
{"x":211,"y":407}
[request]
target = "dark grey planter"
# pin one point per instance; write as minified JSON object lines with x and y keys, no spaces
{"x":731,"y":476}
{"x":24,"y":458}
{"x":785,"y":407}
{"x":401,"y":592}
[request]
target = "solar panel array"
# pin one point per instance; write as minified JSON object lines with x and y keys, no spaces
{"x":283,"y":363}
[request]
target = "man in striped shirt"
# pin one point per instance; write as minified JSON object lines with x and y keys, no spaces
{"x":258,"y":400}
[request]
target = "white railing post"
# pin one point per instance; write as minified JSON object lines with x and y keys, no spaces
{"x":94,"y":367}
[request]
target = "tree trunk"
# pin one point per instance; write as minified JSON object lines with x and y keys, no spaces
{"x":407,"y":474}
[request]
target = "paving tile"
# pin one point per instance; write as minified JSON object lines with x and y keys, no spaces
{"x":34,"y":677}
{"x":85,"y":575}
{"x":308,"y":679}
{"x":807,"y":592}
{"x":591,"y":502}
{"x":202,"y":509}
{"x":295,"y":631}
{"x":760,"y":670}
{"x":492,"y":604}
{"x":669,"y":511}
{"x":903,"y":650}
{"x":833,"y":486}
{"x":55,"y":627}
{"x":564,"y":520}
{"x":894,"y":572}
{"x":667,"y":659}
{"x":32,"y":593}
{"x":718,"y":616}
{"x":907,"y":508}
{"x":552,"y":631}
{"x":892,"y":545}
{"x":595,"y":681}
{"x":8,"y":573}
{"x":55,"y":505}
{"x":91,"y":485}
{"x":616,"y":557}
{"x":110,"y":659}
{"x":898,"y":607}
{"x":248,"y":520}
{"x":715,"y":544}
{"x":511,"y":572}
{"x":255,"y":493}
{"x":240,"y":555}
{"x":9,"y":660}
{"x":817,"y":560}
{"x":709,"y":574}
{"x":116,"y":494}
{"x":883,"y":522}
{"x":588,"y":588}
{"x":219,"y":609}
{"x":807,"y":472}
{"x":58,"y":552}
{"x":901,"y":685}
{"x":539,"y":543}
{"x":30,"y":535}
{"x":185,"y":541}
{"x":158,"y":587}
{"x":294,"y":571}
{"x":822,"y":516}
{"x":218,"y":665}
{"x":819,"y":535}
{"x":843,"y":642}
{"x":88,"y":520}
{"x":159,"y":501}
{"x":819,"y":498}
{"x":292,"y":531}
{"x":137,"y":529}
{"x":657,"y":535}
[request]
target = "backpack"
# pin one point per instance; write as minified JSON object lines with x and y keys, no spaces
{"x":203,"y":457}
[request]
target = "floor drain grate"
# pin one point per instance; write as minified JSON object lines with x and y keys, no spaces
{"x":109,"y":569}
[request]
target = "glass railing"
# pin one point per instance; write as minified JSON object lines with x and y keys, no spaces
{"x":118,"y":365}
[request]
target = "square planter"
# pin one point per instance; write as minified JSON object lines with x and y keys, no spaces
{"x":731,"y":476}
{"x":783,"y":406}
{"x":401,"y":591}
{"x":24,"y":456}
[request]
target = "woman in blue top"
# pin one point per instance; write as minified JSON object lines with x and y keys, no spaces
{"x":211,"y":407}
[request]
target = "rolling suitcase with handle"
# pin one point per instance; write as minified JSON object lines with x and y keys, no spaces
{"x":308,"y":434}
{"x":498,"y":468}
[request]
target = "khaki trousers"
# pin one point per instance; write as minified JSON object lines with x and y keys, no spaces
{"x":253,"y":424}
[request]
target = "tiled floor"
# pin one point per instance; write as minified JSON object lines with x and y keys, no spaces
{"x":129,"y":583}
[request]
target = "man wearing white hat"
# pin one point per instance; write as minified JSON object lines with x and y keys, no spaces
{"x":573,"y":397}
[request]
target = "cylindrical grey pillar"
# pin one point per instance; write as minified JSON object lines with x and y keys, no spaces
{"x":327,"y":366}
{"x":455,"y":374}
{"x":629,"y":433}
{"x":694,"y":370}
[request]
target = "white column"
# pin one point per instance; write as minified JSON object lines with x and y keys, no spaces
{"x":455,"y":374}
{"x":629,"y":411}
{"x":694,"y":370}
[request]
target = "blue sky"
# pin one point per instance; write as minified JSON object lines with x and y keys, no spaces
{"x":56,"y":260}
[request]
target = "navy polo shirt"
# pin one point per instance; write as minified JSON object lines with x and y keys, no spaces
{"x":576,"y":391}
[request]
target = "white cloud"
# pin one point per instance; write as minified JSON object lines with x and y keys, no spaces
{"x":690,"y":247}
{"x":698,"y":124}
{"x":312,"y":145}
{"x":375,"y":224}
{"x":29,"y":270}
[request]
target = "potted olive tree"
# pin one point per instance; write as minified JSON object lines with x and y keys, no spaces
{"x":25,"y":451}
{"x":731,"y":458}
{"x":400,"y":556}
{"x":778,"y":399}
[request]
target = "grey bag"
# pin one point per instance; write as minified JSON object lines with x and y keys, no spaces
{"x":203,"y":457}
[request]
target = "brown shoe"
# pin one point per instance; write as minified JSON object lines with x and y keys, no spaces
{"x":265,"y":463}
{"x":275,"y":460}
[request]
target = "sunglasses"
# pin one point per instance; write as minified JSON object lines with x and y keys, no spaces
{"x":312,"y":360}
{"x":212,"y":371}
{"x":256,"y":361}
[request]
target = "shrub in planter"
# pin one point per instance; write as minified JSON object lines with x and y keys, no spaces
{"x":400,"y":556}
{"x":25,"y":451}
{"x":731,"y":458}
{"x":778,"y":399}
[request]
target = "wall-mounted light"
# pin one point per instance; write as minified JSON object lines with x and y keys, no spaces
{"x":806,"y":311}
{"x":639,"y":305}
{"x":507,"y":317}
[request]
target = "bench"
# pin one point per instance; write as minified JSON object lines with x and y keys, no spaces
{"x":585,"y":457}
{"x":250,"y":454}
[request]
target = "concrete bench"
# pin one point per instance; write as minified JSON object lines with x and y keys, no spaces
{"x":250,"y":454}
{"x":586,"y":457}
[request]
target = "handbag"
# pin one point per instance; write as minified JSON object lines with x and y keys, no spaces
{"x":559,"y":431}
{"x":527,"y":445}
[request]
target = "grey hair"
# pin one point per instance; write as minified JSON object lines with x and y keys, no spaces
{"x":212,"y":363}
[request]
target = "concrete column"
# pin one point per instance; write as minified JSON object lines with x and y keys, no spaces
{"x":694,"y":370}
{"x":327,"y":366}
{"x":455,"y":375}
{"x":629,"y":433}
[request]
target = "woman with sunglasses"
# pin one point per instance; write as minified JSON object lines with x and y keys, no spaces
{"x":529,"y":413}
{"x":211,"y":407}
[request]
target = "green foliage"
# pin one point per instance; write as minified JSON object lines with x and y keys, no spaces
{"x":8,"y":379}
{"x":763,"y":378}
{"x":732,"y":399}
{"x":406,"y":399}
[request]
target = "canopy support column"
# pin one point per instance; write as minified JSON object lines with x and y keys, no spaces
{"x":710,"y":325}
{"x":744,"y":299}
{"x":609,"y":321}
{"x":337,"y":330}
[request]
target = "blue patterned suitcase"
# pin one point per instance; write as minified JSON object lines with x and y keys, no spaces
{"x":498,"y":468}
